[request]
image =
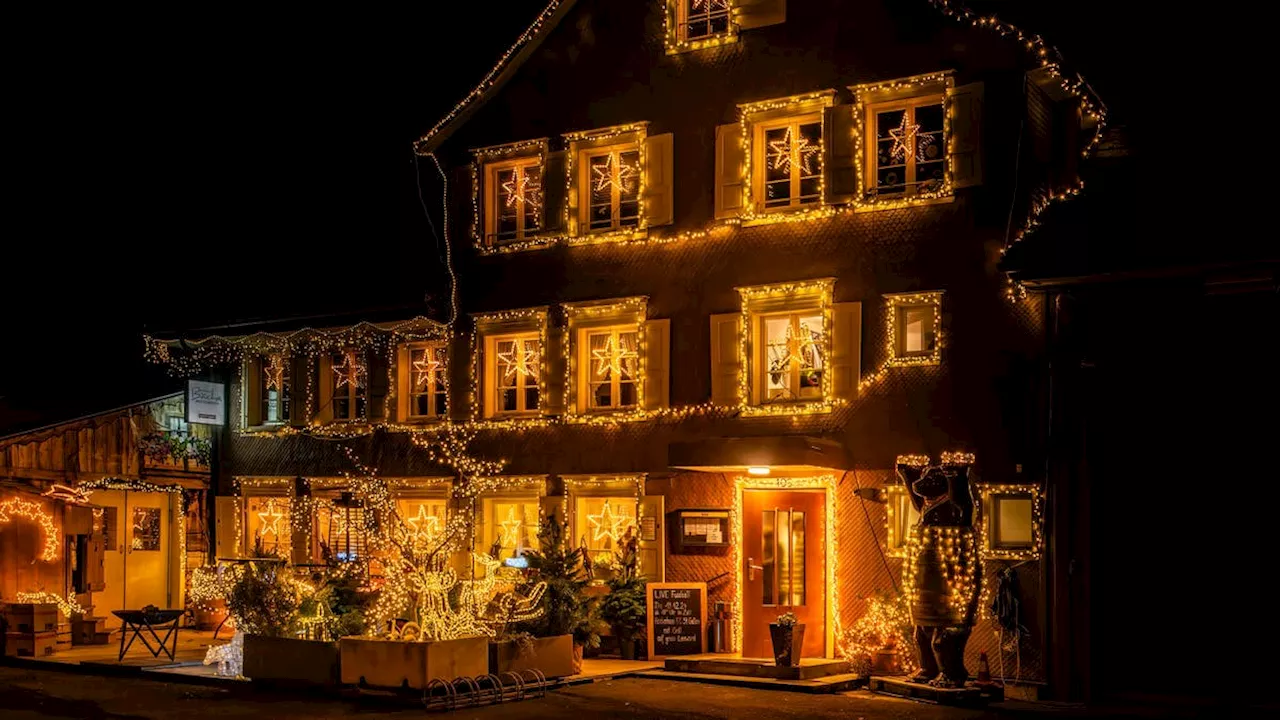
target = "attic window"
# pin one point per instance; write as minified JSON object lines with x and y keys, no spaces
{"x":696,"y":24}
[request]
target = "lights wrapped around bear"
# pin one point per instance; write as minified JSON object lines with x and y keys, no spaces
{"x":942,"y":574}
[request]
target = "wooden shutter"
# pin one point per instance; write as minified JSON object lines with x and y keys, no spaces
{"x":553,"y":369}
{"x":657,"y":358}
{"x":725,"y":365}
{"x":300,"y":411}
{"x":324,"y":379}
{"x":652,"y":552}
{"x":486,"y":384}
{"x":378,"y":385}
{"x":729,"y":164}
{"x":966,"y":135}
{"x":846,"y":349}
{"x":840,"y":181}
{"x":759,"y":13}
{"x":553,"y":197}
{"x":225,"y":509}
{"x":404,"y":383}
{"x":252,"y":380}
{"x":659,"y":183}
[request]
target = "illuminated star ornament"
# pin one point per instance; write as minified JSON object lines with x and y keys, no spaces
{"x":708,"y":5}
{"x":348,"y":372}
{"x":510,"y":528}
{"x":614,"y":358}
{"x":270,"y":526}
{"x":605,"y":176}
{"x":523,"y":187}
{"x":780,"y":152}
{"x":425,"y":527}
{"x":904,"y":140}
{"x":522,"y":358}
{"x":608,"y":525}
{"x":423,"y":368}
{"x":274,"y":372}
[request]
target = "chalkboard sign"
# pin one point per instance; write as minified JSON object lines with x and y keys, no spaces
{"x":677,"y":619}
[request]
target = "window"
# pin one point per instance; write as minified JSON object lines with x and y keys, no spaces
{"x":514,"y":200}
{"x":611,"y":188}
{"x":901,"y":517}
{"x":602,"y":522}
{"x":146,"y":528}
{"x":611,"y":359}
{"x":789,"y":154}
{"x":511,"y":525}
{"x":425,"y":369}
{"x":266,"y":524}
{"x":516,"y":366}
{"x":275,"y":397}
{"x":792,"y":356}
{"x":783,"y":543}
{"x":703,"y":18}
{"x":349,"y":383}
{"x":914,"y":326}
{"x":1012,"y":522}
{"x":907,"y":148}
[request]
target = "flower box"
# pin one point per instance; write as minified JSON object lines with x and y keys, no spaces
{"x":553,"y":656}
{"x":290,"y":660}
{"x":372,"y":662}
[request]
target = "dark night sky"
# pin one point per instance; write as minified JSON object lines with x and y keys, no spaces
{"x":198,"y":167}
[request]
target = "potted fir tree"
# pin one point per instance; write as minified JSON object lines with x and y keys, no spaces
{"x":787,"y":635}
{"x":623,"y":608}
{"x":264,"y":603}
{"x":552,"y":642}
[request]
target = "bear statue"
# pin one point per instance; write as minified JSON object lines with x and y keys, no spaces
{"x":942,"y":573}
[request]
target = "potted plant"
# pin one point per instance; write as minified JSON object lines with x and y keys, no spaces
{"x":554,"y":641}
{"x":623,"y":608}
{"x":286,"y":639}
{"x":787,"y":634}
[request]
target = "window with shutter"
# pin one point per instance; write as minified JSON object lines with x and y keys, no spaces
{"x":508,"y":194}
{"x":786,"y":153}
{"x":907,"y":140}
{"x":608,"y":368}
{"x":698,"y":24}
{"x":513,"y":363}
{"x":608,"y":176}
{"x":787,"y":347}
{"x":422,"y":381}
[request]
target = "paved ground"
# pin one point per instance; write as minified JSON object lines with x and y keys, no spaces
{"x":40,"y":694}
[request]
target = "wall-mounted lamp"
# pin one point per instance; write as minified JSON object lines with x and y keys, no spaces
{"x":758,"y":470}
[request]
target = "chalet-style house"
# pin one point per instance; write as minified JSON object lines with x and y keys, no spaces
{"x":718,"y":264}
{"x":105,"y":512}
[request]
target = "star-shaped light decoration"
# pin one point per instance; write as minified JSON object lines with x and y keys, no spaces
{"x":424,"y":367}
{"x":608,"y":525}
{"x":274,"y":372}
{"x":708,"y":5}
{"x":604,"y":174}
{"x":522,"y":358}
{"x":349,"y":372}
{"x":523,"y":187}
{"x":270,"y":526}
{"x":614,"y":358}
{"x":904,"y":140}
{"x":780,"y":152}
{"x":425,"y":527}
{"x":793,"y":349}
{"x":511,"y":528}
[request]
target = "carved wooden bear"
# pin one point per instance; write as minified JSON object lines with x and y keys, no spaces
{"x":941,"y":574}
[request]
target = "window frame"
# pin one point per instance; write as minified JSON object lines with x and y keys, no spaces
{"x":587,"y":360}
{"x":586,"y":182}
{"x":491,"y":366}
{"x":991,"y":495}
{"x":762,"y":361}
{"x":440,"y":374}
{"x":677,"y":21}
{"x":492,"y":192}
{"x":896,"y":304}
{"x":760,"y":156}
{"x":286,"y":387}
{"x":352,"y":389}
{"x":898,"y":509}
{"x":911,"y":190}
{"x":800,"y":297}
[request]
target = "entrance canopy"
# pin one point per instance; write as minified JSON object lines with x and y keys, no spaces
{"x":763,"y":455}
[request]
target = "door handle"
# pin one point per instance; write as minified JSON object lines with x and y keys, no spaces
{"x":752,"y":568}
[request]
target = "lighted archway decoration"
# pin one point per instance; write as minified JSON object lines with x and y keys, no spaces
{"x":34,"y":512}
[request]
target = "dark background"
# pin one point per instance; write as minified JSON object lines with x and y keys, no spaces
{"x":194,"y":166}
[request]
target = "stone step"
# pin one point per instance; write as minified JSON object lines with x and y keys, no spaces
{"x":822,"y":685}
{"x":809,"y":669}
{"x":968,"y":695}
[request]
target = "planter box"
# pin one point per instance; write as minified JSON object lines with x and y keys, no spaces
{"x":551,"y":655}
{"x":395,"y":664}
{"x":23,"y":644}
{"x":31,"y":617}
{"x":290,"y":660}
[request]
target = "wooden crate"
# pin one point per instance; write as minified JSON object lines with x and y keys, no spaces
{"x":31,"y":617}
{"x":40,"y":644}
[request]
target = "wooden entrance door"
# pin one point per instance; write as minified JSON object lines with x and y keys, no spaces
{"x":784,"y":567}
{"x":137,"y":560}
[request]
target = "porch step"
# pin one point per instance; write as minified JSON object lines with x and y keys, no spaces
{"x":970,"y":695}
{"x":821,"y":685}
{"x":712,"y":664}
